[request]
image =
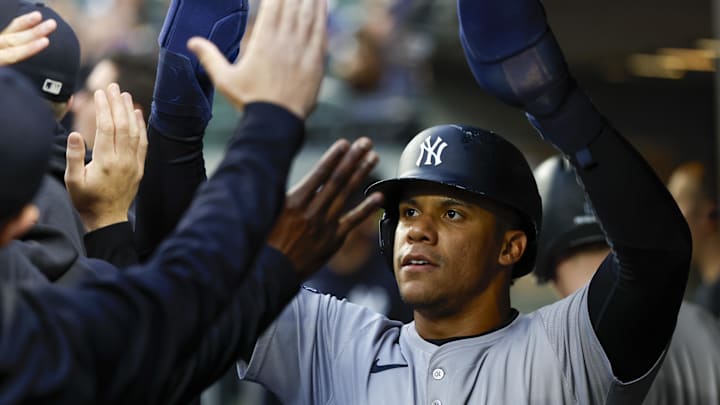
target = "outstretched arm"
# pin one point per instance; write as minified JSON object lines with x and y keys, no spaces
{"x":635,"y":296}
{"x":182,"y":107}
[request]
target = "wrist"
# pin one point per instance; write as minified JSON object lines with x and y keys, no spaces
{"x":94,"y":221}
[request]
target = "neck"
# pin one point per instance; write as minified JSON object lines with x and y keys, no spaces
{"x":709,"y":260}
{"x":484,"y":312}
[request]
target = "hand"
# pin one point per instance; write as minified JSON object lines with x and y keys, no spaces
{"x":313,"y":224}
{"x":284,"y":60}
{"x":103,"y":191}
{"x":25,"y":37}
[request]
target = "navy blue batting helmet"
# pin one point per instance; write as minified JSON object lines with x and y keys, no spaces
{"x":473,"y":160}
{"x":568,"y":217}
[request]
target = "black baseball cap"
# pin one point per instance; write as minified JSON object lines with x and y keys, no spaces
{"x":27,"y":126}
{"x":8,"y":11}
{"x":53,"y":71}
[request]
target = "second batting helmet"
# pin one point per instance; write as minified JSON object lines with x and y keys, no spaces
{"x":473,"y":160}
{"x":568,"y":217}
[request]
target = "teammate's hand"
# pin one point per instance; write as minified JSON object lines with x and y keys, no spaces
{"x":24,"y":37}
{"x":284,"y":60}
{"x":313,"y":224}
{"x":103,"y":190}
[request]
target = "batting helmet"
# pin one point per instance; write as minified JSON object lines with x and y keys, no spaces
{"x":470,"y":159}
{"x":568,"y":218}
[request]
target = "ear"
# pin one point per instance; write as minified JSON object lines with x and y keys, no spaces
{"x":69,"y":105}
{"x":18,"y":225}
{"x":512,"y":248}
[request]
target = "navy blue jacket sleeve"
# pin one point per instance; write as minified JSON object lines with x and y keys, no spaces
{"x":117,"y":339}
{"x":266,"y":292}
{"x":113,"y":243}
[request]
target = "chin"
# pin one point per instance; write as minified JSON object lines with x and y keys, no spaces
{"x":418,"y":297}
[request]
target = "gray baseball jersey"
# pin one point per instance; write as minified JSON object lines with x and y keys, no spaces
{"x":322,"y":351}
{"x":690,"y":374}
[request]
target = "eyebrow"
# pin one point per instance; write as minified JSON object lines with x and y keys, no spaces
{"x":450,"y":202}
{"x":447,"y":202}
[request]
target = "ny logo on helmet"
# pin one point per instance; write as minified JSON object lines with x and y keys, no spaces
{"x":431,"y":151}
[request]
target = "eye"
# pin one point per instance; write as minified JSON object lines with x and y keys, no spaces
{"x":452,"y":214}
{"x":409,"y":212}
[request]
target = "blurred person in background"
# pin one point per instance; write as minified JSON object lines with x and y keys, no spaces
{"x":571,"y":248}
{"x":695,"y":191}
{"x":106,"y":25}
{"x":378,"y":68}
{"x":134,"y":73}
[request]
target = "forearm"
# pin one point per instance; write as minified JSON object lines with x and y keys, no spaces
{"x":258,"y":301}
{"x":174,"y":169}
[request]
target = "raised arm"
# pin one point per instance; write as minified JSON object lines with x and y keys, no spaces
{"x":181,"y":110}
{"x":634,"y":298}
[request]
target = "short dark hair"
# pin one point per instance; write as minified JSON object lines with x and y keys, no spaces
{"x":136,"y":75}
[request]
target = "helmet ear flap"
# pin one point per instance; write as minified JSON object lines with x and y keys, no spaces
{"x":388,"y":223}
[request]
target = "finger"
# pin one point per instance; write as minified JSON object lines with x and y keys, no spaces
{"x":339,"y":177}
{"x":210,"y":57}
{"x":142,"y":143}
{"x":104,"y":142}
{"x":360,"y":213}
{"x":317,"y":42}
{"x":120,"y":119}
{"x":305,"y":18}
{"x":269,"y":14}
{"x":289,"y":16}
{"x":303,"y":192}
{"x":75,"y":161}
{"x":351,"y":186}
{"x":28,"y":35}
{"x":23,"y":22}
{"x":15,"y":54}
{"x":133,"y":126}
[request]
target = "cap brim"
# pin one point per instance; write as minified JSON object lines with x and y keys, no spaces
{"x":392,"y":188}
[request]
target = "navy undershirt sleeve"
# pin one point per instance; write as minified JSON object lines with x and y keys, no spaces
{"x":635,"y":295}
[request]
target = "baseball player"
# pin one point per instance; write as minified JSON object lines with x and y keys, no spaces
{"x":461,"y":222}
{"x":572,"y":246}
{"x":696,"y":195}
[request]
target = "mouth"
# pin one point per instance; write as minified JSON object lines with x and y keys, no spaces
{"x":416,"y":263}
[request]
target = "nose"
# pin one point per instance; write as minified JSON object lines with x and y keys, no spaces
{"x":421,"y":230}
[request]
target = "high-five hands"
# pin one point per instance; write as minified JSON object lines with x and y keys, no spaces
{"x":313,"y":224}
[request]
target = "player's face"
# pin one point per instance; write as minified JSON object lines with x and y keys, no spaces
{"x":446,"y":249}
